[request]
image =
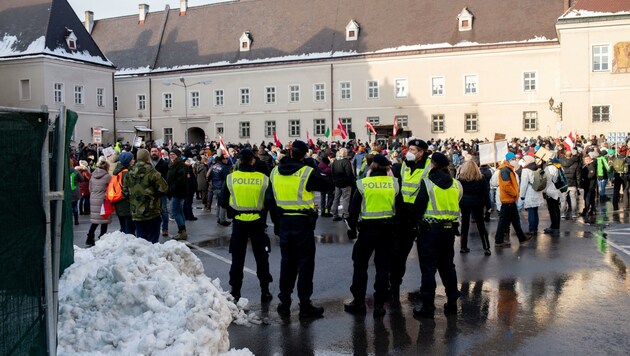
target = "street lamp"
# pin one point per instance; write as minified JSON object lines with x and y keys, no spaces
{"x":557,"y":109}
{"x":185,"y":86}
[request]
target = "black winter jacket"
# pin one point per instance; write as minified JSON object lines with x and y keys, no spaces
{"x":476,"y":192}
{"x":571,"y":169}
{"x":342,"y":173}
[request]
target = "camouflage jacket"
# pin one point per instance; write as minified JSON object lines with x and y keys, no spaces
{"x":144,"y":187}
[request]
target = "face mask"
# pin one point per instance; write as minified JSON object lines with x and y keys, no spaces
{"x":410,"y":156}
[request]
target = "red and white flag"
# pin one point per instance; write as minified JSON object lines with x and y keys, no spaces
{"x":342,"y":129}
{"x":369,"y":126}
{"x":395,"y":126}
{"x":276,"y":141}
{"x":569,"y":142}
{"x":222,"y":146}
{"x":309,"y":140}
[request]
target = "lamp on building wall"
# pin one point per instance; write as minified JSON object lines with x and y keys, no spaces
{"x":185,"y":86}
{"x":557,"y":109}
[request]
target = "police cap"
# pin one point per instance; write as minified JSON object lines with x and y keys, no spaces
{"x":440,"y":160}
{"x":418,"y":143}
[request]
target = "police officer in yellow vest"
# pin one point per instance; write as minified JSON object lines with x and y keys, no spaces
{"x":293,"y":184}
{"x":438,"y":201}
{"x":246,"y":195}
{"x":372,"y":210}
{"x":414,"y":168}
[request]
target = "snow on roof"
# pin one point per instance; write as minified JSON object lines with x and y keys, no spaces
{"x":580,"y":13}
{"x":9,"y":42}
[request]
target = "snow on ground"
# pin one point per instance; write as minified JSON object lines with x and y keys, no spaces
{"x":130,"y":297}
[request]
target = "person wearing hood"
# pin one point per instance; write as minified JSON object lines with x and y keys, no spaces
{"x":177,"y":189}
{"x":293,"y":184}
{"x":603,"y":173}
{"x":123,"y":211}
{"x":98,"y":188}
{"x":438,"y":205}
{"x":570,"y":163}
{"x":508,"y":191}
{"x":530,"y":198}
{"x":553,"y":196}
{"x":160,"y":163}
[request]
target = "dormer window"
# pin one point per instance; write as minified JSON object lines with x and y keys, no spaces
{"x":465,"y":19}
{"x":352,"y":31}
{"x":246,"y":42}
{"x":71,"y":39}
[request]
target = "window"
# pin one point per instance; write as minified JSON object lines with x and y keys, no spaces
{"x":294,"y":128}
{"x":402,"y":88}
{"x":437,"y":123}
{"x":244,"y":96}
{"x":294,"y":93}
{"x":601,"y":113}
{"x":601,"y":58}
{"x":194,"y":99}
{"x":347,"y":123}
{"x":71,"y":39}
{"x":346,"y":90}
{"x":243,"y":129}
{"x":530,"y":120}
{"x":403,"y":121}
{"x":372,"y":86}
{"x":465,"y":20}
{"x":246,"y":42}
{"x":471,"y":123}
{"x":141,"y":102}
{"x":374,"y":120}
{"x":25,"y":89}
{"x":78,"y":94}
{"x":100,"y":97}
{"x":167,"y":101}
{"x":320,"y":91}
{"x":218,"y":97}
{"x":319,"y":127}
{"x":470,"y":84}
{"x":529,"y":81}
{"x":168,"y":134}
{"x":115,"y":103}
{"x":352,"y":31}
{"x":218,"y":127}
{"x":270,"y":128}
{"x":58,"y":93}
{"x":270,"y":95}
{"x":437,"y":86}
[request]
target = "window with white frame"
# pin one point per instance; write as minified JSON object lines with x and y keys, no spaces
{"x":194,"y":99}
{"x":471,"y":123}
{"x":218,"y":97}
{"x":601,"y":58}
{"x":319,"y":90}
{"x":167,"y":101}
{"x":78,"y":94}
{"x":372,"y":87}
{"x":374,"y":120}
{"x":294,"y":128}
{"x":402,"y":88}
{"x":601,"y":113}
{"x":465,"y":20}
{"x":403,"y":121}
{"x":437,"y":123}
{"x":530,"y":120}
{"x":115,"y":103}
{"x":243,"y":129}
{"x":218,"y":128}
{"x":25,"y":89}
{"x":270,"y":95}
{"x":167,"y":133}
{"x":319,"y":127}
{"x":141,"y":102}
{"x":244,"y":96}
{"x":270,"y":128}
{"x":470,"y":84}
{"x":529,"y":81}
{"x":347,"y":123}
{"x":346,"y":90}
{"x":437,"y":86}
{"x":58,"y":92}
{"x":100,"y":97}
{"x":294,"y":93}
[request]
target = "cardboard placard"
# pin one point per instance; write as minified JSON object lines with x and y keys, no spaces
{"x":499,"y":136}
{"x":107,"y":152}
{"x":492,"y":152}
{"x":544,"y":154}
{"x":137,"y":141}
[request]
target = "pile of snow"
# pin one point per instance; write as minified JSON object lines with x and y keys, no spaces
{"x":128,"y":296}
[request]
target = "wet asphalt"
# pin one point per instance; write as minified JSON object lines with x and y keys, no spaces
{"x":568,"y":294}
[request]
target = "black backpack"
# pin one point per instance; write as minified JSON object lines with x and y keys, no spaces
{"x":561,"y":182}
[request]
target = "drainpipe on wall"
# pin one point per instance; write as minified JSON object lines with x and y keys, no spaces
{"x":113,"y":107}
{"x":332,"y":105}
{"x":151,"y":109}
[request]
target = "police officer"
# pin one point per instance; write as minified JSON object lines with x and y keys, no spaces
{"x":414,"y":168}
{"x":246,"y":195}
{"x":372,"y":209}
{"x":293,"y":184}
{"x":438,"y":204}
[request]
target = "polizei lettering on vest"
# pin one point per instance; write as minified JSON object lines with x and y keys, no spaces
{"x":256,"y":181}
{"x":379,"y":185}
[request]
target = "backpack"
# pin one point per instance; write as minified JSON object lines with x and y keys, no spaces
{"x":620,"y":165}
{"x":114,"y":188}
{"x":561,"y":182}
{"x":540,"y":182}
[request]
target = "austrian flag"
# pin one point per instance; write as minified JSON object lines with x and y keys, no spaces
{"x":569,"y":142}
{"x":342,"y":129}
{"x":395,"y":126}
{"x":370,"y":127}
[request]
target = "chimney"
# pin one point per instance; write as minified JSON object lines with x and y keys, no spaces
{"x":89,"y":21}
{"x":183,"y":6}
{"x":144,"y":11}
{"x":567,"y":4}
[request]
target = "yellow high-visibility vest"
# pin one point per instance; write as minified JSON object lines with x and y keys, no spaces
{"x":247,"y":193}
{"x":443,"y":203}
{"x":379,"y":196}
{"x":411,"y":181}
{"x":290,"y":190}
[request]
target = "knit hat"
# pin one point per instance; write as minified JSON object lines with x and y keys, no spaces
{"x":144,"y":155}
{"x":125,"y":158}
{"x":509,"y":156}
{"x":382,"y":160}
{"x":439,"y":159}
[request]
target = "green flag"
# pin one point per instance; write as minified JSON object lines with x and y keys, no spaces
{"x":327,"y":134}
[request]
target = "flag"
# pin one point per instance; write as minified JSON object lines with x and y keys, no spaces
{"x":342,"y":129}
{"x":568,"y":142}
{"x":369,"y":126}
{"x":395,"y":126}
{"x":222,"y":146}
{"x":277,"y":142}
{"x":309,"y":140}
{"x":327,"y":134}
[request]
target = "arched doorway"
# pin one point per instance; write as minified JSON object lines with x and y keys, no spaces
{"x":196,"y":135}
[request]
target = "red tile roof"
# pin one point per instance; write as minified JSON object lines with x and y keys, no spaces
{"x":603,"y":5}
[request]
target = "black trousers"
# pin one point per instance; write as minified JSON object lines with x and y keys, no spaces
{"x":149,"y":229}
{"x":436,"y":255}
{"x":372,"y":238}
{"x":589,"y":200}
{"x":478,"y":214}
{"x":508,"y":215}
{"x":242,"y":231}
{"x":297,"y":250}
{"x":127,"y":225}
{"x":620,"y":182}
{"x":402,"y":245}
{"x":553,"y":205}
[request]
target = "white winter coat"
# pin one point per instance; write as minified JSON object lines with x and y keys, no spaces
{"x":533,"y":199}
{"x":551,"y":172}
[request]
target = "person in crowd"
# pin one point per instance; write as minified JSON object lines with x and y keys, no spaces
{"x":603,"y":173}
{"x":475,"y":198}
{"x":620,"y":171}
{"x":553,"y":194}
{"x":177,"y":190}
{"x":589,"y":184}
{"x":570,"y":163}
{"x":123,"y":211}
{"x":509,"y":196}
{"x":357,"y":160}
{"x":98,"y":188}
{"x":326,"y":197}
{"x":144,"y":187}
{"x":84,"y":187}
{"x":161,"y":165}
{"x":487,"y":172}
{"x":344,"y":180}
{"x":201,"y":168}
{"x":76,"y":178}
{"x":531,"y":199}
{"x":265,"y":157}
{"x":191,"y":182}
{"x":371,"y":213}
{"x":216,"y":178}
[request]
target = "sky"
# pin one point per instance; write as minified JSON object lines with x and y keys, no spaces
{"x":126,"y":296}
{"x":114,"y":8}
